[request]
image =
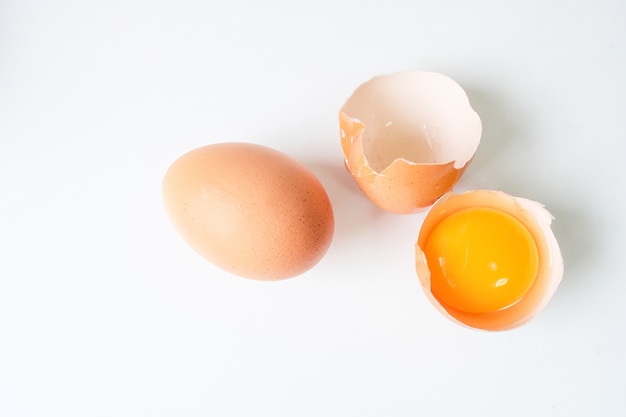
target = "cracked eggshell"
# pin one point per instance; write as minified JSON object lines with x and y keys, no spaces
{"x":550,"y":269}
{"x":407,"y":138}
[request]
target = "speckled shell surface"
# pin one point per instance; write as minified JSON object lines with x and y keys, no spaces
{"x":249,"y":209}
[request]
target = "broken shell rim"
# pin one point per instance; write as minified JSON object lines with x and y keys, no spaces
{"x":400,"y":160}
{"x":460,"y":96}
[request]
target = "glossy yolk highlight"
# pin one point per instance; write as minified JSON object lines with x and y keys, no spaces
{"x":481,"y":260}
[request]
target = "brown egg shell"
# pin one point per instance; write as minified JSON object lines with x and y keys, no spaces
{"x":550,"y":271}
{"x":249,"y":209}
{"x":407,"y":138}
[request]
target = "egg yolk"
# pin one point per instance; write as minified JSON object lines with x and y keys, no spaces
{"x":481,"y":260}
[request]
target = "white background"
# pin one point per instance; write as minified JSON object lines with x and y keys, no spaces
{"x":104,"y":311}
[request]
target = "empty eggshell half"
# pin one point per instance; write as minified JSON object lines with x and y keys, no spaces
{"x":549,"y":267}
{"x":407,"y":138}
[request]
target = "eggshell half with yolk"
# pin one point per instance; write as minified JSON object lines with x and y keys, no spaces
{"x":528,"y":215}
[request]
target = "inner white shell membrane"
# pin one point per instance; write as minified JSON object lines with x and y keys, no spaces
{"x":421,"y":117}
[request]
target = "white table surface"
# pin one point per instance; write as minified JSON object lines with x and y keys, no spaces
{"x":104,"y":311}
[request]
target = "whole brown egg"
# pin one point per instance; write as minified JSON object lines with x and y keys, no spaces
{"x":249,"y":209}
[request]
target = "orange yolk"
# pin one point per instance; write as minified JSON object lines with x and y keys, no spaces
{"x":481,"y":260}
